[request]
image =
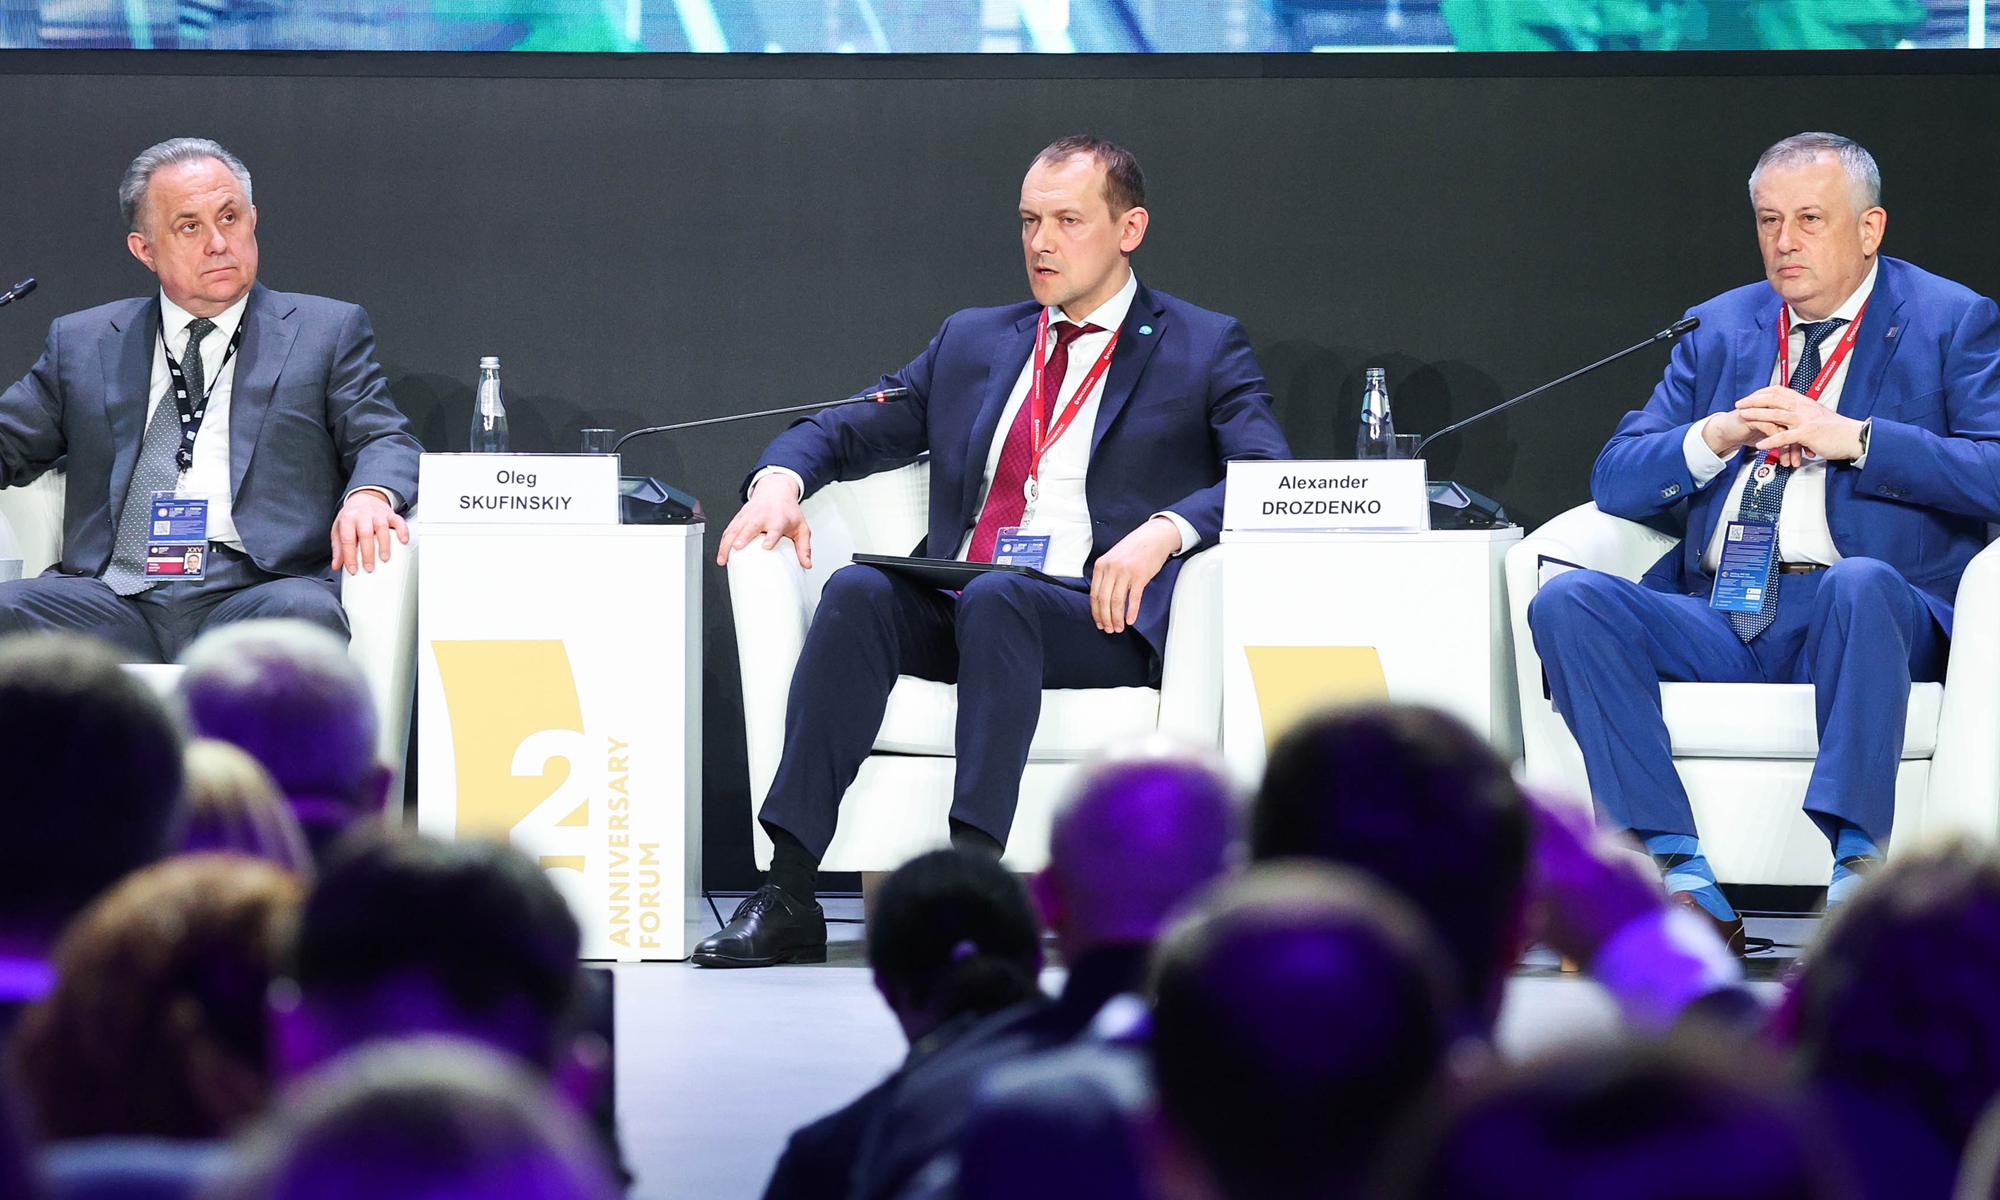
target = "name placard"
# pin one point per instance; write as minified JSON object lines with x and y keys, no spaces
{"x":518,"y":489}
{"x":1386,"y":494}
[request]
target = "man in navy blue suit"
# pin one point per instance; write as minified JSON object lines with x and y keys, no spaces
{"x":1834,"y":451}
{"x":1097,"y":418}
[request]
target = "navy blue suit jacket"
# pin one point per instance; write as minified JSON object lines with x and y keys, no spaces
{"x":310,"y":419}
{"x":1183,"y":396}
{"x":1926,"y":369}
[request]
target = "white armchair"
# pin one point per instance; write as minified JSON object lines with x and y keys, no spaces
{"x":1745,"y":750}
{"x":381,"y":608}
{"x":900,"y":801}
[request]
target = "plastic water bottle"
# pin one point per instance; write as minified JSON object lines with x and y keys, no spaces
{"x":1377,"y":438}
{"x":489,"y":411}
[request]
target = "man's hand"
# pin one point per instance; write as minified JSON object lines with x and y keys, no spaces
{"x":1796,"y":422}
{"x":1728,"y":431}
{"x":771,"y":512}
{"x":1585,"y":884}
{"x":1123,"y":572}
{"x":361,"y":531}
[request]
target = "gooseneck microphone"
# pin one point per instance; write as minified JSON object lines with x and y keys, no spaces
{"x":16,"y":292}
{"x":877,"y":396}
{"x":1670,"y":333}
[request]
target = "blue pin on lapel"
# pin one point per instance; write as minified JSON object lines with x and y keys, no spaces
{"x":1145,"y":329}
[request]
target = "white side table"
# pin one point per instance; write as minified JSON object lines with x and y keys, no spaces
{"x":1311,"y":619}
{"x":559,"y":674}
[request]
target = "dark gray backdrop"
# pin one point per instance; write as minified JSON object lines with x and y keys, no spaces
{"x":643,"y":240}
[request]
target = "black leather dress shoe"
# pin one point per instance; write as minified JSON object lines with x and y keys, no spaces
{"x":767,"y":929}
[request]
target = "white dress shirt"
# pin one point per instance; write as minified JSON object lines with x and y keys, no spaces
{"x":1803,"y":535}
{"x":209,"y":476}
{"x":1061,"y":508}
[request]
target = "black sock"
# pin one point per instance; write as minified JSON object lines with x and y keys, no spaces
{"x":971,"y":839}
{"x":793,"y":867}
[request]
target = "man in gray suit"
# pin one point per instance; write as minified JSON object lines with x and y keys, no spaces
{"x":268,"y":405}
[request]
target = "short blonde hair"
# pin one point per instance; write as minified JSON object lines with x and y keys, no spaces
{"x":232,"y":804}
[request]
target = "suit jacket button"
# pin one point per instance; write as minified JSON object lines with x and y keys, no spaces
{"x":1886,"y":490}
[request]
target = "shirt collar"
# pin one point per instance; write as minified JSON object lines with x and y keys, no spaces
{"x":1851,"y":307}
{"x":174,"y":321}
{"x":1111,"y":313}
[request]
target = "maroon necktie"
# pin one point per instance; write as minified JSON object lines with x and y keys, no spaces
{"x":1005,"y":501}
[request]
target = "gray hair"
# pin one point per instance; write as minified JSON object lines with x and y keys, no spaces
{"x":172,"y":153}
{"x":1803,"y":149}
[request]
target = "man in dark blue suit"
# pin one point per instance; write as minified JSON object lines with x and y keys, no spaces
{"x":268,"y":405}
{"x":1853,"y":420}
{"x":1100,"y":417}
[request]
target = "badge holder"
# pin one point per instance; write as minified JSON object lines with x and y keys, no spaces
{"x":1024,"y":545}
{"x":1745,"y":569}
{"x":177,"y":542}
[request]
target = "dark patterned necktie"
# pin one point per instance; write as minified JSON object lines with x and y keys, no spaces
{"x":1005,"y":501}
{"x":1763,"y":501}
{"x":156,"y":472}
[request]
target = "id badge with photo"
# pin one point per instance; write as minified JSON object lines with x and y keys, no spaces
{"x":1022,"y":547}
{"x":1745,"y":569}
{"x":177,"y":543}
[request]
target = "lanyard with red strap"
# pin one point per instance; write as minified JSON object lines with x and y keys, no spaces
{"x":1038,"y":442}
{"x":1827,"y":370}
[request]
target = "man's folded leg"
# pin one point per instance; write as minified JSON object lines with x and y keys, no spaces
{"x":870,"y":627}
{"x":1016,"y":636}
{"x":77,"y":604}
{"x":1606,"y":644}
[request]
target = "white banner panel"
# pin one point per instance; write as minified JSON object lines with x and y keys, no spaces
{"x":518,"y":489}
{"x":1334,"y":494}
{"x":559,"y":676}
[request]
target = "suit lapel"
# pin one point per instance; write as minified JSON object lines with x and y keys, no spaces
{"x":1135,"y":349}
{"x":127,"y":360}
{"x":267,"y":341}
{"x":1008,"y":358}
{"x":1874,"y":346}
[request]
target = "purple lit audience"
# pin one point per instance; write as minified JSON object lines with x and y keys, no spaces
{"x":421,"y":1119}
{"x":1293,"y":998}
{"x":287,"y":692}
{"x":233,"y":805}
{"x":151,"y":1049}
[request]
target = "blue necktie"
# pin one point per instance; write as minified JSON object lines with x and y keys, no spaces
{"x":1762,"y":500}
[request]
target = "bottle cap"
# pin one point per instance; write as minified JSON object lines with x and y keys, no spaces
{"x":489,"y":363}
{"x":1374,"y":373}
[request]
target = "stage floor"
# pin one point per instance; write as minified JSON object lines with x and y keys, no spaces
{"x":716,"y":1068}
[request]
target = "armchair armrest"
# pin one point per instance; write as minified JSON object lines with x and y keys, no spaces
{"x":768,"y":597}
{"x":1191,"y":664}
{"x":1964,"y":795}
{"x":1586,"y":538}
{"x":381,"y":607}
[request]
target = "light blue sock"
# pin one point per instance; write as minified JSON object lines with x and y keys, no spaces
{"x":1687,"y":870}
{"x":1848,"y":841}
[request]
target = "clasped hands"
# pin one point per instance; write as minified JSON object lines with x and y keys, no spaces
{"x":1116,"y":584}
{"x":1778,"y":418}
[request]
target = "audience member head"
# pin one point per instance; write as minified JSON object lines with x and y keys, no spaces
{"x":1416,"y":799}
{"x":404,"y":935}
{"x":93,"y":775}
{"x":234,"y":806}
{"x":1145,"y":827}
{"x":422,"y":1119}
{"x":1979,"y":1167}
{"x":1298,"y":1010}
{"x":1900,"y":998}
{"x":287,"y":692}
{"x":952,"y":933}
{"x":1660,"y":1120}
{"x":157,"y":1024}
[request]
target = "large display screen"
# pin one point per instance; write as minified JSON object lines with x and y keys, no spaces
{"x":1000,"y":26}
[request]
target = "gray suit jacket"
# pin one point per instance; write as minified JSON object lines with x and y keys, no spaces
{"x":310,"y":419}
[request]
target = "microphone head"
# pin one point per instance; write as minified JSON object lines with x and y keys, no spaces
{"x":17,"y":291}
{"x":884,"y":395}
{"x":1684,"y":325}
